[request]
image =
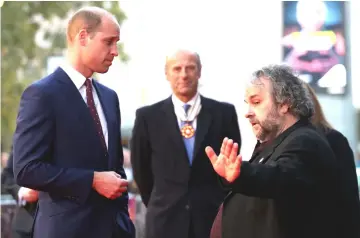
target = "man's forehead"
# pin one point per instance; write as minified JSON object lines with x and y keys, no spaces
{"x":254,"y":90}
{"x":110,"y":25}
{"x":180,"y":62}
{"x":181,"y":57}
{"x":258,"y":84}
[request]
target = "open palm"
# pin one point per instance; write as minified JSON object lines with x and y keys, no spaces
{"x":227,"y":164}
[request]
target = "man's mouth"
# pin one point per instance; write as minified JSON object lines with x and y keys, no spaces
{"x":253,"y":123}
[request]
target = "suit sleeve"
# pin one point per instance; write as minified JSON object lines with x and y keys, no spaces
{"x":296,"y":171}
{"x":233,"y":128}
{"x":32,"y":150}
{"x":126,"y":226}
{"x":7,"y":178}
{"x":141,"y":158}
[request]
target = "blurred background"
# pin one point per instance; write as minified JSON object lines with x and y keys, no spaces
{"x":316,"y":38}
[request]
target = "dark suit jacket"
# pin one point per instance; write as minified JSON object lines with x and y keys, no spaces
{"x":175,"y":192}
{"x":56,"y":151}
{"x":349,"y":204}
{"x":24,"y":215}
{"x":288,"y":189}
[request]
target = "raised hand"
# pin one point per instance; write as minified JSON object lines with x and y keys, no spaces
{"x":227,"y":164}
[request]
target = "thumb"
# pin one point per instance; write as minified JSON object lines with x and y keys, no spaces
{"x":211,"y":154}
{"x":117,"y":175}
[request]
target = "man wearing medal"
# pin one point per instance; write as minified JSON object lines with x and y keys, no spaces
{"x":176,"y":180}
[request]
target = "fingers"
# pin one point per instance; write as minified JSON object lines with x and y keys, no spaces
{"x":115,"y":195}
{"x":117,"y":175}
{"x":122,"y":187}
{"x":118,"y":193}
{"x":123,"y":183}
{"x":233,"y":153}
{"x":223,"y":145}
{"x":228,"y":148}
{"x":211,"y":154}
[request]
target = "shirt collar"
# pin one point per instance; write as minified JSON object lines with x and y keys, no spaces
{"x":266,"y":148}
{"x":178,"y":103}
{"x":75,"y":76}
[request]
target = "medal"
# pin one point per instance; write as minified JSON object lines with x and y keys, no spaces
{"x":187,"y":131}
{"x":187,"y":114}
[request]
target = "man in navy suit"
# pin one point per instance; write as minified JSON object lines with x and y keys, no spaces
{"x":67,"y":142}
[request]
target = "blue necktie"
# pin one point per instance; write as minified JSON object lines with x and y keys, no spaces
{"x":189,"y":142}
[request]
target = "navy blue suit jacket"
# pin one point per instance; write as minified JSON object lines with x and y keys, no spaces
{"x":56,"y":151}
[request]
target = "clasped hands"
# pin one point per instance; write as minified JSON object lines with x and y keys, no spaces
{"x":228,"y":163}
{"x":109,"y":184}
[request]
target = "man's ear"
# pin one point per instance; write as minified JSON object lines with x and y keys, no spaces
{"x":284,"y":108}
{"x":83,"y":37}
{"x":166,"y":71}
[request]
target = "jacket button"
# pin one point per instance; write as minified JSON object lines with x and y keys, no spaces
{"x":187,"y":207}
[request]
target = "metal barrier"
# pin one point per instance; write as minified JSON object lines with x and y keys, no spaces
{"x":137,"y":212}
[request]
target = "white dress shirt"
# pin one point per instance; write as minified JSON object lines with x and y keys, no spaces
{"x":79,"y":80}
{"x":180,"y":104}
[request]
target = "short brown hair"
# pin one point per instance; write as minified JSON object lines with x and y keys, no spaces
{"x":318,"y":119}
{"x":88,"y":18}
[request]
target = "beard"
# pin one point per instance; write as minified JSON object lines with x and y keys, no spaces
{"x":269,"y":127}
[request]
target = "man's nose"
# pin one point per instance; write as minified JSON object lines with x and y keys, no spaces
{"x":114,"y":50}
{"x":183,"y":73}
{"x":249,"y":113}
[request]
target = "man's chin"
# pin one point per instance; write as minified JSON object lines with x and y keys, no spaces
{"x":256,"y":132}
{"x":258,"y":135}
{"x":103,"y":70}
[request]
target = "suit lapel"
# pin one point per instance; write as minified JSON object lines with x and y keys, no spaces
{"x":71,"y":93}
{"x":203,"y":125}
{"x":107,"y":106}
{"x":172,"y":126}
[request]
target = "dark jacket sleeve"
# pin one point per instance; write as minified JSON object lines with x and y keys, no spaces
{"x":141,"y":157}
{"x":7,"y":179}
{"x":297,"y":170}
{"x":32,"y":147}
{"x":233,"y":130}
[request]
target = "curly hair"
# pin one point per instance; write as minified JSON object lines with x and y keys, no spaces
{"x":287,"y":88}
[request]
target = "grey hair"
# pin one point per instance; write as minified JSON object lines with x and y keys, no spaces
{"x":182,"y":50}
{"x":287,"y":88}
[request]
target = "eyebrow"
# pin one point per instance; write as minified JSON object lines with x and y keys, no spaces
{"x":111,"y":37}
{"x":251,"y":97}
